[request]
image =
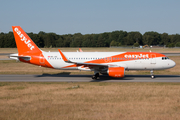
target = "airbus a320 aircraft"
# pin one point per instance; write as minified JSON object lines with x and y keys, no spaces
{"x":112,"y":63}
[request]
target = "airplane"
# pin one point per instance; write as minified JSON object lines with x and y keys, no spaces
{"x":112,"y":63}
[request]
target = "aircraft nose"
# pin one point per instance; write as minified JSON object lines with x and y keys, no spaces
{"x":172,"y":63}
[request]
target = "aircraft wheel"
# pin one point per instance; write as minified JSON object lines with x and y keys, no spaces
{"x":97,"y":75}
{"x":94,"y":77}
{"x":152,"y":74}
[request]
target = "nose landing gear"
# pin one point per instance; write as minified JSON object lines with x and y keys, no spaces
{"x":152,"y":74}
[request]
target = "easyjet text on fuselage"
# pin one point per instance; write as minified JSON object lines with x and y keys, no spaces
{"x":136,"y":56}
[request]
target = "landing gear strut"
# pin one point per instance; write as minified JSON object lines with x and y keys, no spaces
{"x":94,"y":77}
{"x":152,"y":74}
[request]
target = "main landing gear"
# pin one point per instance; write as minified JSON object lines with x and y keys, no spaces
{"x":94,"y":77}
{"x":152,"y":74}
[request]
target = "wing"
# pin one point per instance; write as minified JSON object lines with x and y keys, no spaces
{"x":93,"y":65}
{"x":79,"y":63}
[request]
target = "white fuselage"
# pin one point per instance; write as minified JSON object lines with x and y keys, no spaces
{"x":156,"y":63}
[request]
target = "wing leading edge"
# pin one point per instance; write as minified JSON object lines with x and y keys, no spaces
{"x":79,"y":63}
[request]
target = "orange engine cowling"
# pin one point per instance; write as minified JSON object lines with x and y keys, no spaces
{"x":116,"y":72}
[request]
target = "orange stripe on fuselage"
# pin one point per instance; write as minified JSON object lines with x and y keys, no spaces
{"x":128,"y":56}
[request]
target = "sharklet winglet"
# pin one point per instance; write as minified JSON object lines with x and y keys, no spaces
{"x":64,"y":57}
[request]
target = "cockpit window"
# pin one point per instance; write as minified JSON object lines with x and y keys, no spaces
{"x":165,"y":58}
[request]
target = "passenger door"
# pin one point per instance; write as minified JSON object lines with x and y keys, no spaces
{"x":153,"y":58}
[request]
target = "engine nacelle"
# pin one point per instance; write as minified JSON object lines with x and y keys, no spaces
{"x":116,"y":72}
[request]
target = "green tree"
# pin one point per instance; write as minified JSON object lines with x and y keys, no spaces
{"x":2,"y":40}
{"x":67,"y":40}
{"x":136,"y":44}
{"x":59,"y":42}
{"x":50,"y":39}
{"x":94,"y":40}
{"x":151,"y":38}
{"x":41,"y":40}
{"x":133,"y":37}
{"x":174,"y":38}
{"x":87,"y":41}
{"x":8,"y":40}
{"x":178,"y":44}
{"x":171,"y":45}
{"x":114,"y":43}
{"x":100,"y":41}
{"x":122,"y":37}
{"x":77,"y":40}
{"x":106,"y":39}
{"x":164,"y":39}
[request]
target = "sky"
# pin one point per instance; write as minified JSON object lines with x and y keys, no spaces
{"x":90,"y":16}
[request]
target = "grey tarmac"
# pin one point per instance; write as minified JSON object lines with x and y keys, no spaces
{"x":87,"y":78}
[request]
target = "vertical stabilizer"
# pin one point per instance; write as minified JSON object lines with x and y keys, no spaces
{"x":23,"y":42}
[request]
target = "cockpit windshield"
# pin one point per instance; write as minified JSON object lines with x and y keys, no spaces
{"x":165,"y":58}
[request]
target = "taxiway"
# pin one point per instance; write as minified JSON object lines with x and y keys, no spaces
{"x":87,"y":78}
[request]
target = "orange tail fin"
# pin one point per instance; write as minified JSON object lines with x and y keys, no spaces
{"x":23,"y":41}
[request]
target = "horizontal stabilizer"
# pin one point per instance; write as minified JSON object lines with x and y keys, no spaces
{"x":16,"y":57}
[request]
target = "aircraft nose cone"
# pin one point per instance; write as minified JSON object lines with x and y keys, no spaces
{"x":172,"y":63}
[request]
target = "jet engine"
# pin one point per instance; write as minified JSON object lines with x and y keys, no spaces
{"x":116,"y":72}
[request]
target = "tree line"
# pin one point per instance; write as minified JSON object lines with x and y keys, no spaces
{"x":106,"y":39}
